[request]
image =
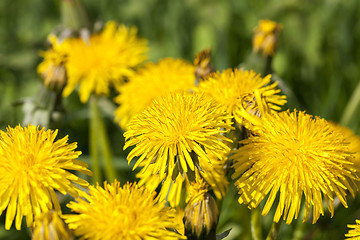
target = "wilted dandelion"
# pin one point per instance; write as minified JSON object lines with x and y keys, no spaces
{"x":32,"y":166}
{"x":174,"y":132}
{"x":128,"y":212}
{"x":150,"y":82}
{"x":265,"y":37}
{"x":104,"y":60}
{"x":354,"y":233}
{"x":291,"y":154}
{"x":232,"y":87}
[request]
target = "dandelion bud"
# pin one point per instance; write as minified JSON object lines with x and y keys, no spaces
{"x":49,"y":226}
{"x":202,"y":64}
{"x":266,"y":36}
{"x":201,"y":213}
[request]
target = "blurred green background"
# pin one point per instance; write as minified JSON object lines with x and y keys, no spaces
{"x":317,"y":62}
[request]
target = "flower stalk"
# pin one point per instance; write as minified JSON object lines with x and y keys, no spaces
{"x":99,"y":144}
{"x":351,"y":107}
{"x":74,"y":15}
{"x":274,"y":230}
{"x":94,"y":151}
{"x":256,"y":231}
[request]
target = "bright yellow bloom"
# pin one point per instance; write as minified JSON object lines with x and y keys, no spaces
{"x":175,"y":131}
{"x":128,"y":212}
{"x":52,"y":68}
{"x":201,"y":213}
{"x":104,"y":60}
{"x":152,"y":81}
{"x":32,"y":166}
{"x":234,"y":88}
{"x":293,"y":154}
{"x":353,"y":234}
{"x":50,"y":226}
{"x":265,"y":36}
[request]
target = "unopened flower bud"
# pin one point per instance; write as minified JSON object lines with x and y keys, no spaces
{"x":49,"y":226}
{"x":266,"y":36}
{"x":202,"y":64}
{"x":201,"y":213}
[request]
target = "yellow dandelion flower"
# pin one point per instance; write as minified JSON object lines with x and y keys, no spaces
{"x":50,"y":226}
{"x":201,"y":213}
{"x":32,"y":166}
{"x":128,"y":212}
{"x":52,"y":68}
{"x":265,"y":37}
{"x":104,"y":60}
{"x":175,"y":131}
{"x":232,"y":88}
{"x":150,"y":82}
{"x":292,"y":154}
{"x":354,"y":233}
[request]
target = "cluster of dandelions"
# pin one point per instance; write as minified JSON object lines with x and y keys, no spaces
{"x":35,"y":166}
{"x":188,"y":128}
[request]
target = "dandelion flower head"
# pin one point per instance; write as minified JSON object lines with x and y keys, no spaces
{"x":104,"y":60}
{"x":265,"y":37}
{"x":175,"y":131}
{"x":231,"y":87}
{"x":292,"y":154}
{"x":128,"y":212}
{"x":32,"y":166}
{"x":152,"y":81}
{"x":354,"y":233}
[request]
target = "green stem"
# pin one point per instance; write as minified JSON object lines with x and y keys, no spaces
{"x":256,"y":229}
{"x":94,"y":151}
{"x":106,"y":150}
{"x":300,"y":226}
{"x":74,"y":15}
{"x":274,"y":230}
{"x":268,"y":67}
{"x":351,"y":107}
